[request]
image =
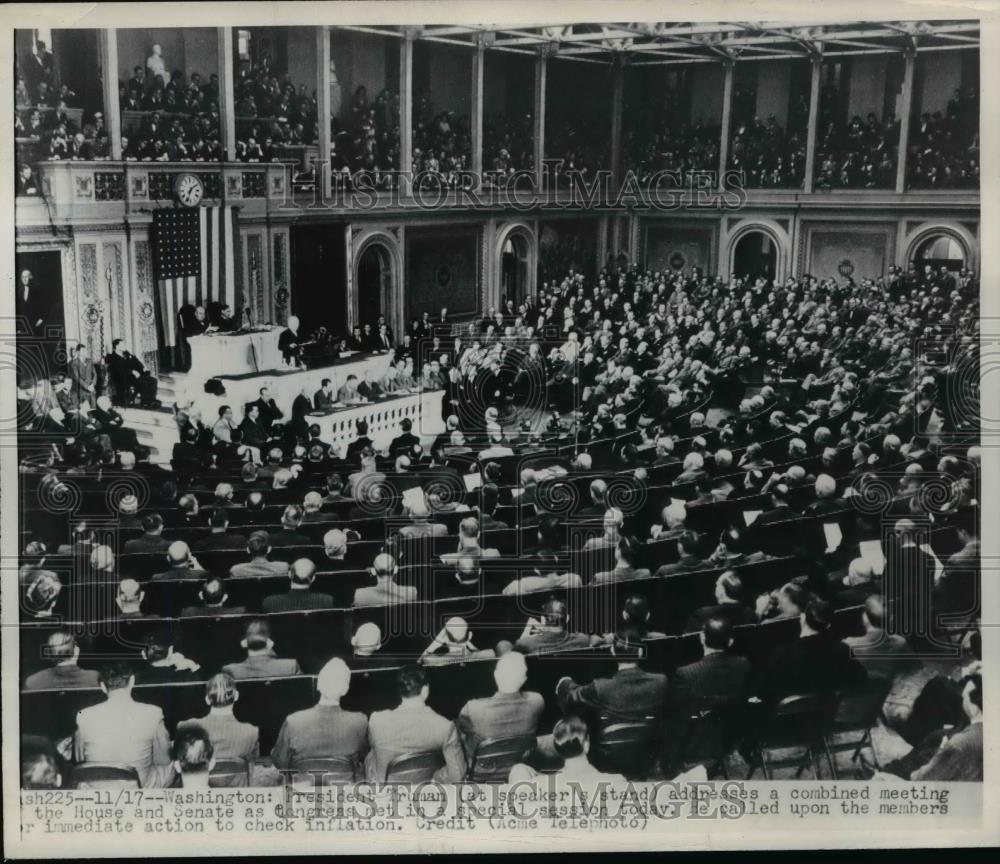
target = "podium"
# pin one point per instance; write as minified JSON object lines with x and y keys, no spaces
{"x":251,"y":353}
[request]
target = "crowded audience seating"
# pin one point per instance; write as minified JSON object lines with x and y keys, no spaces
{"x":944,"y":150}
{"x":746,"y":470}
{"x":858,"y":154}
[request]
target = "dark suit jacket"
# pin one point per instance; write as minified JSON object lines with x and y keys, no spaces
{"x":810,"y":664}
{"x":288,"y":538}
{"x":323,"y":400}
{"x":263,"y":667}
{"x":224,"y":540}
{"x":146,"y":543}
{"x":630,"y":694}
{"x":403,"y":442}
{"x":713,"y":680}
{"x":296,"y":599}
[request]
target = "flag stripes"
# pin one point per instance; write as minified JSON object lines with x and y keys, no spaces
{"x":195,"y":261}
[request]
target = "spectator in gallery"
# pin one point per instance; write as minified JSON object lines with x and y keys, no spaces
{"x":258,"y":548}
{"x":550,"y":631}
{"x":452,"y":644}
{"x":26,"y":183}
{"x":261,"y":660}
{"x":213,"y":598}
{"x":129,"y":600}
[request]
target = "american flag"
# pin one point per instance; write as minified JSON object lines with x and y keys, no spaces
{"x":195,"y":260}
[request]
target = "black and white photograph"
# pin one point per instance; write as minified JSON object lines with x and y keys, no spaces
{"x":421,"y":417}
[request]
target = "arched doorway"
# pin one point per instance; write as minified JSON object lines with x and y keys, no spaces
{"x":940,"y":250}
{"x":374,"y":284}
{"x":755,"y":256}
{"x":514,"y":262}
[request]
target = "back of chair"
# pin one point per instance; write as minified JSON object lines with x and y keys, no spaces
{"x":624,"y":746}
{"x":230,"y":772}
{"x":414,"y":767}
{"x":859,"y":707}
{"x":323,"y":771}
{"x":494,"y":757}
{"x":709,"y":735}
{"x":103,"y":775}
{"x":797,"y":721}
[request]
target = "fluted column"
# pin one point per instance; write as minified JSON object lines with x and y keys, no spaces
{"x":323,"y":109}
{"x":227,"y":93}
{"x":906,"y":109}
{"x":812,"y":132}
{"x":727,"y":113}
{"x":107,"y":47}
{"x":541,"y":69}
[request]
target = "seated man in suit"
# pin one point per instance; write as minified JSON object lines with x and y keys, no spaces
{"x":301,"y":574}
{"x":193,"y":757}
{"x":261,"y":662}
{"x":508,"y":713}
{"x":129,"y":600}
{"x":252,"y":430}
{"x":182,"y":564}
{"x":326,"y":729}
{"x":816,"y":661}
{"x":348,"y":394}
{"x":626,"y":555}
{"x":163,"y":664}
{"x":413,"y":727}
{"x":231,"y":738}
{"x":213,"y":598}
{"x":729,"y":602}
{"x":124,"y":731}
{"x":960,"y":756}
{"x":63,"y":652}
{"x":550,"y":632}
{"x":152,"y":539}
{"x":883,"y":655}
{"x":289,"y":535}
{"x":405,"y":441}
{"x":719,"y":677}
{"x":258,"y":548}
{"x":385,"y":591}
{"x":219,"y":537}
{"x":420,"y":524}
{"x":323,"y":398}
{"x":631,"y":694}
{"x":688,"y":560}
{"x":468,"y":543}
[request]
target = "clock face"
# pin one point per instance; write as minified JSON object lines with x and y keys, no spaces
{"x":189,"y":190}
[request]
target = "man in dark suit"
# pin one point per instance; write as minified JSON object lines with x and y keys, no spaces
{"x":258,"y":547}
{"x":406,"y":440}
{"x":269,"y":411}
{"x":219,"y":536}
{"x":301,"y":575}
{"x":730,"y":605}
{"x":359,"y":443}
{"x":816,"y":661}
{"x":688,"y":559}
{"x":83,"y":375}
{"x":182,"y":564}
{"x":213,"y":598}
{"x":261,"y":661}
{"x":289,"y":534}
{"x":719,"y":677}
{"x":30,"y":305}
{"x":324,"y":397}
{"x":129,"y":376}
{"x":152,"y":539}
{"x":252,"y":431}
{"x":326,"y":729}
{"x":62,"y":652}
{"x":508,"y":713}
{"x":630,"y":694}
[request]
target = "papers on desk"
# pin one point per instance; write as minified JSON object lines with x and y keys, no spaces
{"x":348,"y":353}
{"x":750,"y":516}
{"x":871,"y":551}
{"x":834,"y":537}
{"x":473,"y":481}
